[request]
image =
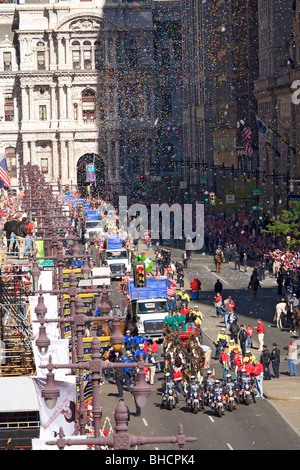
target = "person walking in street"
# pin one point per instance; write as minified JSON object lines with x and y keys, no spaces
{"x":218,"y":305}
{"x":259,"y":377}
{"x":226,"y":312}
{"x":275,"y":358}
{"x":194,"y":288}
{"x":237,"y":261}
{"x":260,"y":329}
{"x":184,"y":259}
{"x":218,"y":287}
{"x":265,"y":359}
{"x":292,"y":358}
{"x":249,"y":336}
{"x":119,"y":375}
{"x":243,"y":339}
{"x":234,"y":331}
{"x":225,"y":362}
{"x":245,"y":259}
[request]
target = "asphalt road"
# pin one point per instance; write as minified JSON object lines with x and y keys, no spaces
{"x":255,"y":427}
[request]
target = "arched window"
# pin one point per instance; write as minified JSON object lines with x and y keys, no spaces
{"x":88,"y":105}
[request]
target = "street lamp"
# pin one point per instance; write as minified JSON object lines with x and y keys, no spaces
{"x":35,"y":273}
{"x":85,"y":269}
{"x":116,"y":338}
{"x":50,"y":392}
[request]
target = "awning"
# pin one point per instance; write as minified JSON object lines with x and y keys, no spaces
{"x":17,"y":394}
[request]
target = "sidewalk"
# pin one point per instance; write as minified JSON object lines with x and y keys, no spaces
{"x":282,"y":393}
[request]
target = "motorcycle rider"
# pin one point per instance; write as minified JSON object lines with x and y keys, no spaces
{"x":246,"y":379}
{"x":208,"y":386}
{"x":193,"y":387}
{"x":168,"y":384}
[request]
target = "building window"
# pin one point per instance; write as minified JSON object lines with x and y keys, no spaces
{"x":88,"y":105}
{"x":44,"y":165}
{"x":7,"y":60}
{"x":87,"y":59}
{"x":43,"y":112}
{"x":9,"y":109}
{"x":41,"y":56}
{"x":11,"y":161}
{"x":76,"y":59}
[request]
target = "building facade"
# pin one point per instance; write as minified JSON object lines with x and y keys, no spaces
{"x":80,"y":83}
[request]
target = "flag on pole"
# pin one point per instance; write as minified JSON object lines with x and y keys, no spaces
{"x":246,"y":136}
{"x":4,"y":175}
{"x":263,"y":129}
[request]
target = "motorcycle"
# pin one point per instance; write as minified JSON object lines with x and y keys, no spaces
{"x":169,"y":396}
{"x":194,"y":399}
{"x":218,"y":401}
{"x":246,"y":393}
{"x":231,"y":397}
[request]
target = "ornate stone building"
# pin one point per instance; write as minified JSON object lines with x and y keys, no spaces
{"x":81,"y":83}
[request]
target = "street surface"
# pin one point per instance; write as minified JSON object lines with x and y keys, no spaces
{"x":256,"y":427}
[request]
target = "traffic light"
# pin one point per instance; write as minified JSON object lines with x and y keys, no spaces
{"x":212,"y":198}
{"x":139,"y":275}
{"x":67,"y":190}
{"x":80,"y":210}
{"x":143,"y":177}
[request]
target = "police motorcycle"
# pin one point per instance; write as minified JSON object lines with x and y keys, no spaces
{"x":246,"y":389}
{"x":231,"y":394}
{"x":194,"y":400}
{"x":170,"y":394}
{"x":218,"y":399}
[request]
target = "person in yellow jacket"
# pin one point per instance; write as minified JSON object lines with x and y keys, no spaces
{"x":222,"y":341}
{"x":198,"y":316}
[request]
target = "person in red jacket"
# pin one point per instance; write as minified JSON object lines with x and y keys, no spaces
{"x":259,"y":377}
{"x":177,"y":377}
{"x":238,"y":363}
{"x":260,"y":328}
{"x":194,"y":287}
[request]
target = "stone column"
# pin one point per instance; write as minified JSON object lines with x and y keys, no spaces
{"x":62,"y":103}
{"x":25,"y":107}
{"x":117,"y":154}
{"x":26,"y":152}
{"x":53,"y":102}
{"x":31,"y":103}
{"x":55,"y":160}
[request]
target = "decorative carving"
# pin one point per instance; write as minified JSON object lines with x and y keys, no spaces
{"x":86,"y":24}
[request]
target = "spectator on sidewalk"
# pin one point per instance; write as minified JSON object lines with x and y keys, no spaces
{"x":292,"y":358}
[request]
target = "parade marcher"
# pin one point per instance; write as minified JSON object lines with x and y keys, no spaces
{"x":119,"y":375}
{"x":218,"y":305}
{"x":265,"y":359}
{"x":239,"y":363}
{"x":130,"y":371}
{"x":137,"y":340}
{"x":226,"y":312}
{"x":224,"y":359}
{"x":260,"y":328}
{"x":245,"y":259}
{"x":184,"y":310}
{"x":184,"y":257}
{"x":234,"y":330}
{"x":180,"y":322}
{"x":154,"y":349}
{"x":249,"y":336}
{"x":140,"y":351}
{"x":243,"y":339}
{"x":292,"y":358}
{"x":218,"y":287}
{"x":275,"y":359}
{"x":222,"y":340}
{"x":237,"y":261}
{"x":194,"y":288}
{"x":128,"y":340}
{"x":152,"y":367}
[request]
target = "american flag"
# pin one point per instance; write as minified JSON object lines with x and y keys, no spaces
{"x":4,"y":176}
{"x":246,"y":136}
{"x":171,"y":287}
